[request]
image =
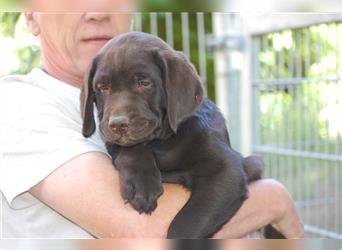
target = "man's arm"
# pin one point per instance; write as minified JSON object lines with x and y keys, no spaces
{"x":86,"y":191}
{"x":268,"y":203}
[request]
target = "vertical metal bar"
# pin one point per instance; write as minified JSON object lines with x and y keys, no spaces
{"x":138,"y":21}
{"x":299,"y":108}
{"x":169,"y":28}
{"x":337,"y":167}
{"x":185,"y":33}
{"x":338,"y":141}
{"x":201,"y":49}
{"x":307,"y":124}
{"x":291,"y":54}
{"x":299,"y":75}
{"x":299,"y":113}
{"x":282,"y":104}
{"x":256,"y":90}
{"x":221,"y":68}
{"x":290,"y":120}
{"x":327,"y":183}
{"x":246,"y":121}
{"x":281,"y":137}
{"x":246,"y":88}
{"x":273,"y":94}
{"x":327,"y":191}
{"x":307,"y":70}
{"x":316,"y":128}
{"x":154,"y":23}
{"x":265,"y":48}
{"x":317,"y":56}
{"x":281,"y":61}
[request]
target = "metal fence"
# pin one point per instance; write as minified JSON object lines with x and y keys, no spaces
{"x":297,"y":114}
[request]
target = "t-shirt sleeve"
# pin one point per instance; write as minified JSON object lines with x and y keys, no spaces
{"x":39,"y":133}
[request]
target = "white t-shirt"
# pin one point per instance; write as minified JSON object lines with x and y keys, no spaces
{"x":40,"y":130}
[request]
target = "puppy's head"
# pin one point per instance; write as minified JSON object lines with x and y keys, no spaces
{"x":143,"y":90}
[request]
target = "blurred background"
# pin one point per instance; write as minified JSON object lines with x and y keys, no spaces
{"x":275,"y":76}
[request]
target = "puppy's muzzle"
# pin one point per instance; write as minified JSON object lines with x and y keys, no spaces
{"x":118,"y":124}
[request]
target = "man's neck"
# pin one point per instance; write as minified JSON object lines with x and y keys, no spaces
{"x":62,"y":75}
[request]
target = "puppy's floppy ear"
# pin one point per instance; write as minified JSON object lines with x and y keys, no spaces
{"x":183,"y":87}
{"x":87,"y":100}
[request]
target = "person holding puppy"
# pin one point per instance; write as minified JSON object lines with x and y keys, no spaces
{"x":57,"y":184}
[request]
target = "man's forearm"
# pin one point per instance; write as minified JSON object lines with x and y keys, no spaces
{"x":268,"y":202}
{"x":86,"y":191}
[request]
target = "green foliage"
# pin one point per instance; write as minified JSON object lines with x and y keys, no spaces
{"x":21,"y":55}
{"x":180,"y":5}
{"x":8,"y":21}
{"x":11,"y":5}
{"x":30,"y":58}
{"x":299,"y":71}
{"x":281,"y":52}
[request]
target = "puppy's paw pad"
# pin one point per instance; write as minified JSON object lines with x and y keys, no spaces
{"x":127,"y":192}
{"x":146,"y":196}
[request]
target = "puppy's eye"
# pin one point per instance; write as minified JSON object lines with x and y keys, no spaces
{"x":103,"y":88}
{"x":143,"y":83}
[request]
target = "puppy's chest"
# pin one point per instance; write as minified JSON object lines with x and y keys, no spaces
{"x":182,"y":150}
{"x":172,"y":154}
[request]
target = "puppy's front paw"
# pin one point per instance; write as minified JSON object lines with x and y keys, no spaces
{"x":142,"y":192}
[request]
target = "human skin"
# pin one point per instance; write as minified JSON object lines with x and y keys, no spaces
{"x":86,"y":188}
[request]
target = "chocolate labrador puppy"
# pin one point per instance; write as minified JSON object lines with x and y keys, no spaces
{"x":160,"y":128}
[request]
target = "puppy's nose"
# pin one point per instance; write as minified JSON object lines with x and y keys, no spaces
{"x":119,"y":124}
